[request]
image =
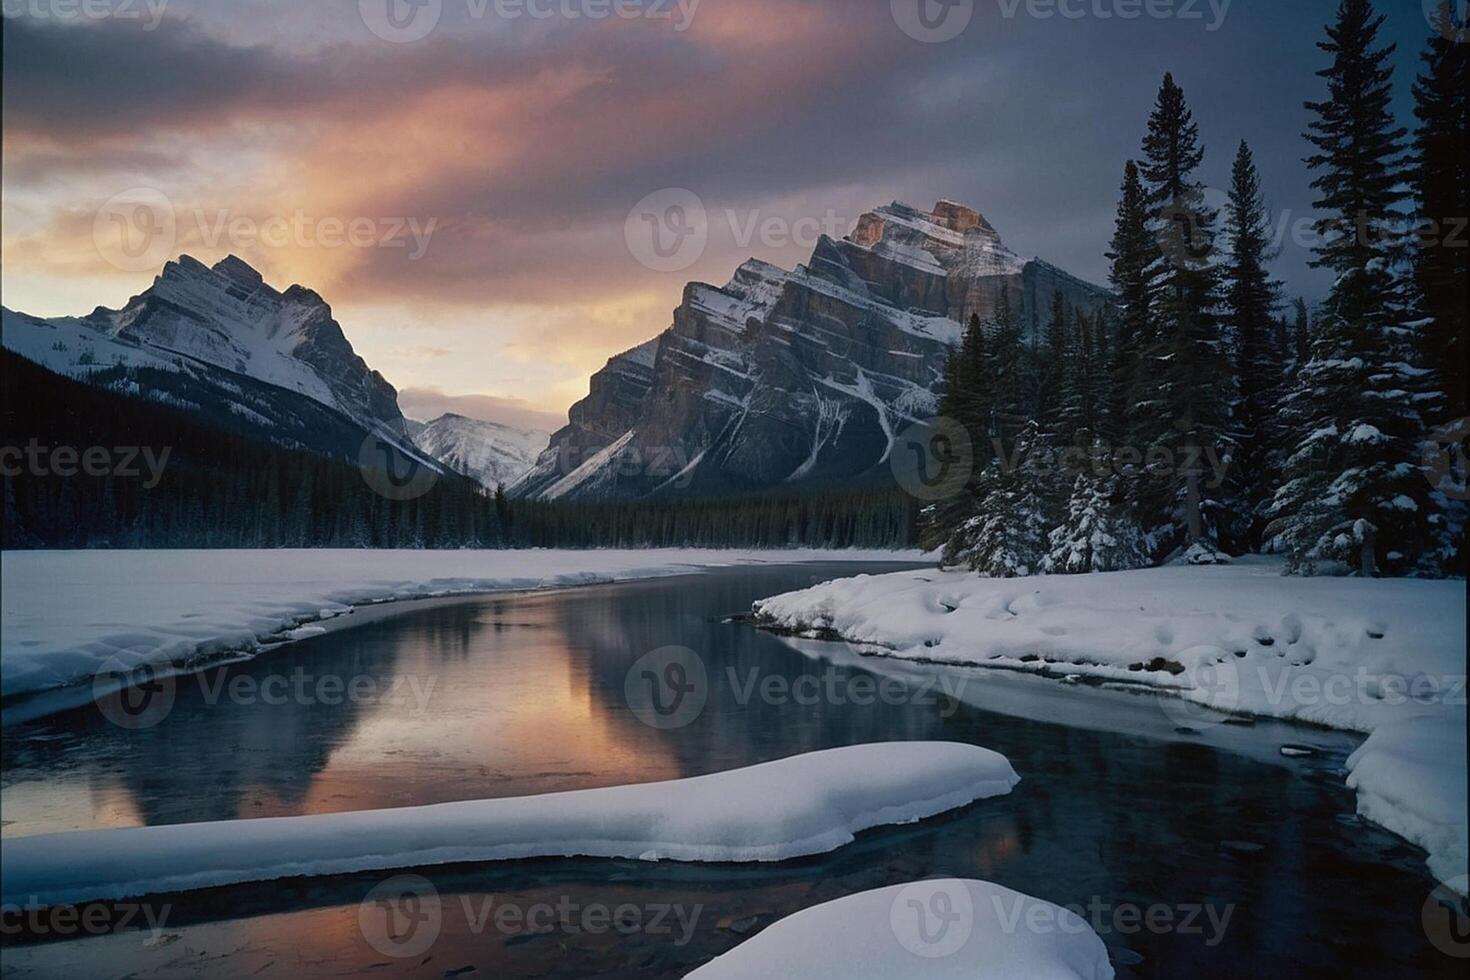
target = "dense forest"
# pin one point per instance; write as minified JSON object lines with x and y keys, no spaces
{"x":1209,"y":420}
{"x":218,"y":489}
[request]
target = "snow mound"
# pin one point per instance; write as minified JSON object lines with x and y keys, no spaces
{"x":808,"y":804}
{"x":929,"y":929}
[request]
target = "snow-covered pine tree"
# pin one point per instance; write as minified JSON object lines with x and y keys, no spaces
{"x":1006,"y":538}
{"x":1098,"y":533}
{"x":1251,"y":303}
{"x":1353,"y":489}
{"x":1186,"y":392}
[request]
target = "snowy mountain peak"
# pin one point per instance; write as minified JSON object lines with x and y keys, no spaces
{"x":488,"y":452}
{"x":202,"y":320}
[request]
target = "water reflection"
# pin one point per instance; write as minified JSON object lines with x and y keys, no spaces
{"x":462,"y":700}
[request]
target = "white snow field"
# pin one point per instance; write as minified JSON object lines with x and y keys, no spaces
{"x":926,"y":930}
{"x":807,"y":804}
{"x":1379,"y":656}
{"x":69,"y":614}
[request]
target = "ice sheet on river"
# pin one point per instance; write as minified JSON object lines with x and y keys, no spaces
{"x":926,"y":930}
{"x":808,"y":804}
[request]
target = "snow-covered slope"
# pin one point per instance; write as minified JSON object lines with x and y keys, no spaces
{"x":201,"y":336}
{"x":782,"y":379}
{"x":807,"y":804}
{"x":491,"y":453}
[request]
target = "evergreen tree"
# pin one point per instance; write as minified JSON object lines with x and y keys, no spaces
{"x":1007,"y":370}
{"x":1099,"y":533}
{"x":1006,"y":538}
{"x":1353,"y":489}
{"x":1185,"y":393}
{"x":1301,"y":336}
{"x":1132,"y":256}
{"x":1053,"y":357}
{"x":1441,"y":177}
{"x":1251,"y":300}
{"x":968,"y":400}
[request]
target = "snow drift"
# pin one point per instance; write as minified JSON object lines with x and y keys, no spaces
{"x":808,"y":804}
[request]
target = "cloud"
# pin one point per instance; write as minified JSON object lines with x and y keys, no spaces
{"x":526,"y":144}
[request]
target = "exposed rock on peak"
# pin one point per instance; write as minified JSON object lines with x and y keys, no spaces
{"x":803,"y":378}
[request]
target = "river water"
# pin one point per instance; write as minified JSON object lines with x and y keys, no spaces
{"x":1196,"y":853}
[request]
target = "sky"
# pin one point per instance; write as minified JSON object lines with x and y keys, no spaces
{"x":465,"y":181}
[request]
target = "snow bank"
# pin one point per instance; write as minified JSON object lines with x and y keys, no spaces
{"x":808,"y":804}
{"x":1373,"y":656}
{"x":930,"y":929}
{"x":69,"y":614}
{"x":1411,"y":778}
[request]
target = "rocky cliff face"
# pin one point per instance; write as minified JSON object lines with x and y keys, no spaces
{"x":784,"y":380}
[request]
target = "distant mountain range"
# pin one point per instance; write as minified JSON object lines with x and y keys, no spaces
{"x":778,"y":381}
{"x":801,"y":379}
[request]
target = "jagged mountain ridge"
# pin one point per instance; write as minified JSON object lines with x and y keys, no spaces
{"x":218,"y":341}
{"x":797,"y":379}
{"x":488,"y":452}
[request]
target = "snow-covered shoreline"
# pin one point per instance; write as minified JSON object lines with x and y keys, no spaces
{"x":68,"y":615}
{"x":1382,"y":657}
{"x":804,"y":805}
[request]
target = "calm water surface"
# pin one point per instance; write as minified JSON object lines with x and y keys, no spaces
{"x":507,"y":696}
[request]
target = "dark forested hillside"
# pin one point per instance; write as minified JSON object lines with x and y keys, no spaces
{"x":85,"y":467}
